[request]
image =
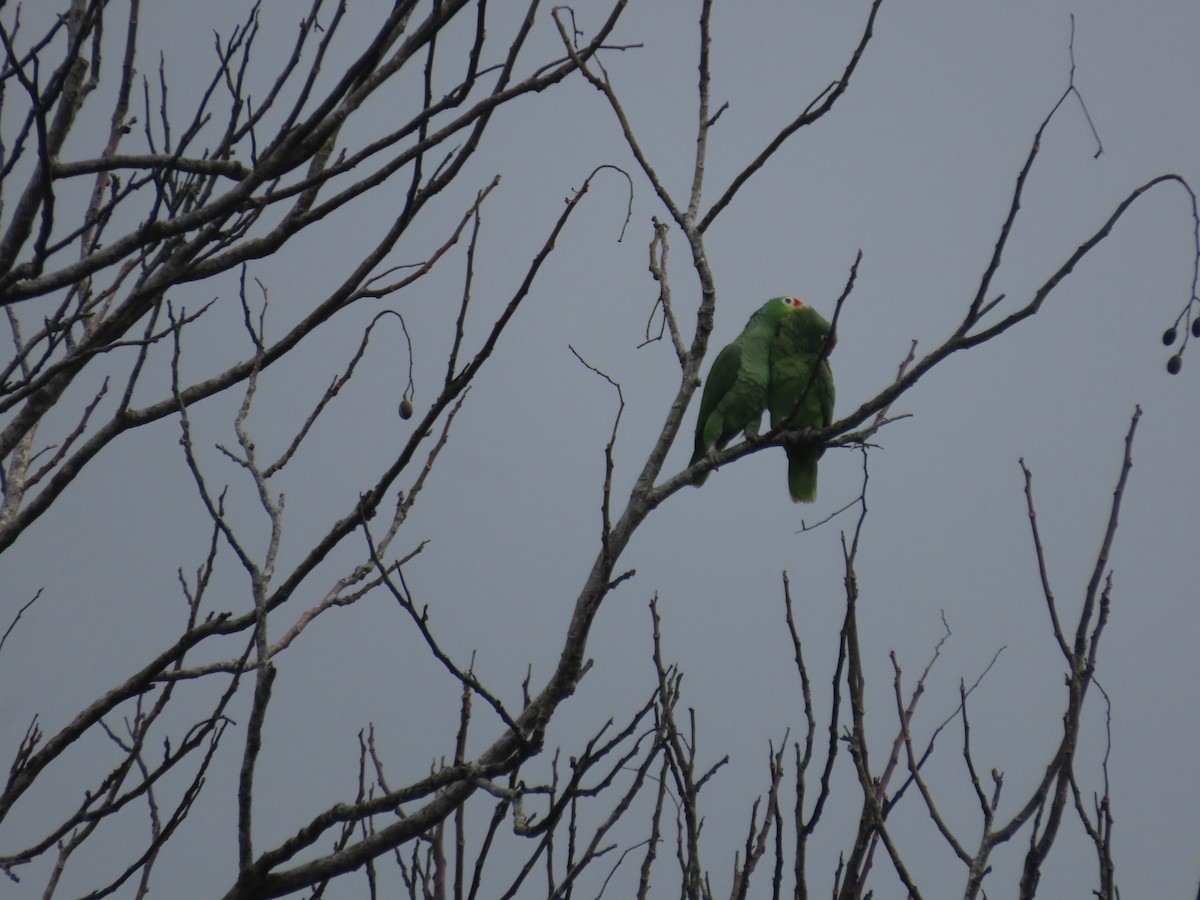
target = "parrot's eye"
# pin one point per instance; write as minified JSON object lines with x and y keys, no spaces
{"x":793,"y":301}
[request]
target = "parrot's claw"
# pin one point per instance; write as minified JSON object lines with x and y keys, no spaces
{"x":798,"y":437}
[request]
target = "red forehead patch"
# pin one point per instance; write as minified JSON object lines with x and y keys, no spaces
{"x":793,"y":301}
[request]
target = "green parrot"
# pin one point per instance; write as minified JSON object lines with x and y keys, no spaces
{"x":735,"y":393}
{"x":798,"y":397}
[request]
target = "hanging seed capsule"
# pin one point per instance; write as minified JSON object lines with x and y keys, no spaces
{"x":1196,"y":327}
{"x":1175,"y":363}
{"x":406,"y":408}
{"x":1169,"y":336}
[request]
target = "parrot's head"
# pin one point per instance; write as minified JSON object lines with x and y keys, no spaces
{"x":806,"y":322}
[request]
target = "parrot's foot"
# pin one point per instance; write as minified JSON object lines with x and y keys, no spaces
{"x":798,"y":437}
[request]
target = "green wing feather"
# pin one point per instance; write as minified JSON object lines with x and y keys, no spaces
{"x":735,"y":393}
{"x":711,"y":426}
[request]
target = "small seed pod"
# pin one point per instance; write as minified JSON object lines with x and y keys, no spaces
{"x":1196,"y":327}
{"x":406,"y":408}
{"x":1175,"y":363}
{"x":1169,"y":336}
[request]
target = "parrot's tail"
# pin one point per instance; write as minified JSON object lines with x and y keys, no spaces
{"x":802,"y":475}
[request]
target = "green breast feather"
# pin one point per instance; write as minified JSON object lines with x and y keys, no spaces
{"x":798,"y":397}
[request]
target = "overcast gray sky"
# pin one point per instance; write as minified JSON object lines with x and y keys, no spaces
{"x":914,"y":167}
